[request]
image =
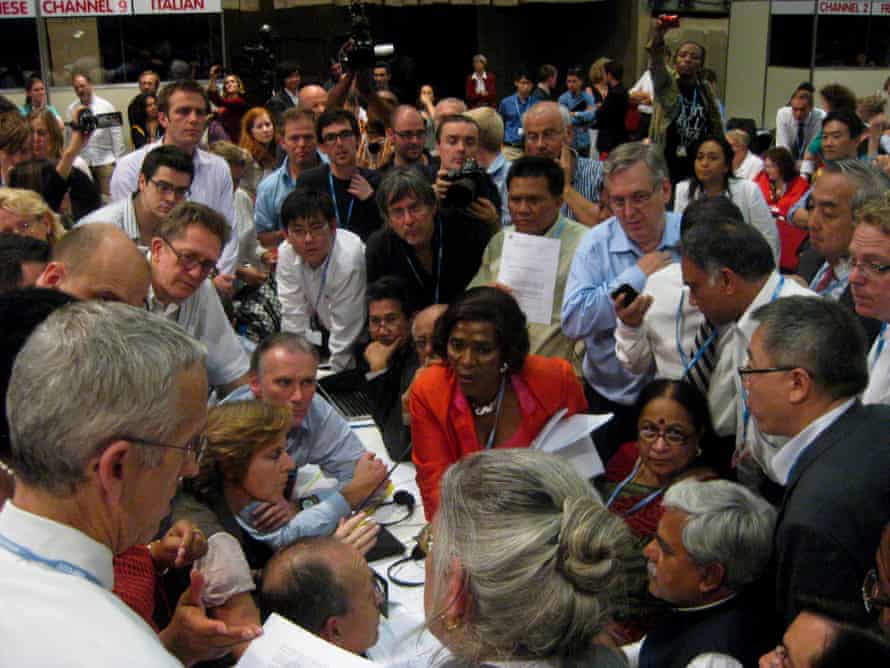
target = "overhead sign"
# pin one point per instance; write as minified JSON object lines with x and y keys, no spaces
{"x":65,"y":8}
{"x":843,"y":7}
{"x":177,"y":6}
{"x":17,"y":9}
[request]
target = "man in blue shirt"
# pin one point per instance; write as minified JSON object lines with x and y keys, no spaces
{"x":637,"y":241}
{"x":282,"y":372}
{"x":582,"y":109}
{"x":512,"y":109}
{"x":301,"y":148}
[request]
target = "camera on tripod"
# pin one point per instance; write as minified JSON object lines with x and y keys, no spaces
{"x":359,"y":52}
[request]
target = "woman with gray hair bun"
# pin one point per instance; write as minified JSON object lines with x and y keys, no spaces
{"x":526,"y":564}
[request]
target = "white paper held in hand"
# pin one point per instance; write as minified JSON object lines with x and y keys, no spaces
{"x":529,"y":264}
{"x":569,"y":437}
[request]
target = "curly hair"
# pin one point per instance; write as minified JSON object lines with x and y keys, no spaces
{"x":263,"y":154}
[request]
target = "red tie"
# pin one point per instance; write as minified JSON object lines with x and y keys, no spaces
{"x":826,"y":280}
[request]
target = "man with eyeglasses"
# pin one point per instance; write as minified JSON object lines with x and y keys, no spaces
{"x":321,"y":276}
{"x":729,"y":270}
{"x":635,"y":243}
{"x":806,"y":367}
{"x":164,"y":181}
{"x":184,"y":253}
{"x":870,"y":284}
{"x":350,"y":187}
{"x":408,"y":137}
{"x":182,"y":111}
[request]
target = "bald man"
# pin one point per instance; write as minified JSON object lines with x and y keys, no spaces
{"x":326,"y":587}
{"x":314,"y":98}
{"x":98,"y":261}
{"x":408,"y":136}
{"x":449,"y":106}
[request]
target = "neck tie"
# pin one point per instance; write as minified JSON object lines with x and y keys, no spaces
{"x":825,"y":281}
{"x":703,"y":352}
{"x":800,"y":148}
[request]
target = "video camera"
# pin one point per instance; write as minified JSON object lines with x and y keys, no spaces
{"x":359,"y":52}
{"x":88,"y":122}
{"x":466,"y":185}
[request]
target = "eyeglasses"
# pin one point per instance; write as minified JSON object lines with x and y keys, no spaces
{"x":872,"y":594}
{"x":748,"y":370}
{"x":411,"y":134}
{"x":194,"y":448}
{"x":314,"y":230}
{"x":636,"y":200}
{"x":188,"y":261}
{"x":649,"y":433}
{"x":547,"y":135}
{"x":381,"y":588}
{"x":332,"y":137}
{"x":869,"y":269}
{"x":169,"y":189}
{"x":401,"y":214}
{"x":20,"y":227}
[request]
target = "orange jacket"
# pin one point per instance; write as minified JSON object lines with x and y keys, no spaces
{"x":441,"y":435}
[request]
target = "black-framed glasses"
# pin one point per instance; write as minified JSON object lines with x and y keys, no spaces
{"x":332,"y":137}
{"x":869,"y":269}
{"x":169,"y":189}
{"x":873,"y":597}
{"x":748,"y":370}
{"x":194,"y":448}
{"x":381,"y":588}
{"x":410,"y":134}
{"x":188,"y":261}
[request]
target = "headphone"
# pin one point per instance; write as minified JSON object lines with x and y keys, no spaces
{"x":400,"y":498}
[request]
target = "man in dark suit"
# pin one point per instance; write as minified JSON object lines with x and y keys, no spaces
{"x":288,"y":75}
{"x":839,"y":192}
{"x":807,"y":364}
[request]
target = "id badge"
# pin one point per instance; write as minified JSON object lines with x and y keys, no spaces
{"x":314,"y":337}
{"x":681,"y":151}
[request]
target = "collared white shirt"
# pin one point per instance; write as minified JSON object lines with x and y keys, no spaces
{"x":203,"y":317}
{"x":878,"y":390}
{"x":52,"y":618}
{"x":750,"y":167}
{"x":786,"y":128}
{"x":785,"y":459}
{"x":341,"y":304}
{"x":839,"y":284}
{"x":644,"y":84}
{"x":294,"y":97}
{"x":105,"y":145}
{"x":121,"y":214}
{"x":211,"y":185}
{"x":725,"y":393}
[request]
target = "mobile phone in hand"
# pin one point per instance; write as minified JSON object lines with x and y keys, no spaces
{"x":628,"y":291}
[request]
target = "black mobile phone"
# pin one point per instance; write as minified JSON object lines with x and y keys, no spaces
{"x":628,"y":291}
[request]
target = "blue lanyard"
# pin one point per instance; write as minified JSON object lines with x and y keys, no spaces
{"x":441,"y":252}
{"x":746,"y":414}
{"x":559,"y":227}
{"x":336,"y":207}
{"x":688,"y":365}
{"x":879,"y":348}
{"x":60,"y":565}
{"x":642,"y":503}
{"x":497,"y":415}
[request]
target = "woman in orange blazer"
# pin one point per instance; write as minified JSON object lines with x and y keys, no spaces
{"x":488,"y":392}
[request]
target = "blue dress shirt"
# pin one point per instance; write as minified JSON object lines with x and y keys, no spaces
{"x":511,"y":110}
{"x":582,"y":119}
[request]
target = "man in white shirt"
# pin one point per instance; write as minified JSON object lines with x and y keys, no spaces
{"x":98,"y":454}
{"x":746,"y":165}
{"x":105,"y":145}
{"x":184,"y":252}
{"x":806,"y":364}
{"x":870,"y":284}
{"x":164,"y":181}
{"x":798,"y":123}
{"x":182,"y":111}
{"x":730,"y":272}
{"x":321,"y":276}
{"x":712,"y":544}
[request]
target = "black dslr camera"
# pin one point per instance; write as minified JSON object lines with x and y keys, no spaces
{"x":360,"y":52}
{"x":88,"y":122}
{"x":467,"y":183}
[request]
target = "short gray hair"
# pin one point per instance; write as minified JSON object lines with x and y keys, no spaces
{"x":627,"y":155}
{"x":401,"y":182}
{"x":294,"y":343}
{"x":819,"y":335}
{"x":727,"y":524}
{"x":868,"y":182}
{"x":543,"y":107}
{"x":90,"y":372}
{"x":545,"y":562}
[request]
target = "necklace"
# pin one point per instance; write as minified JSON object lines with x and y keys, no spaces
{"x":485,"y":409}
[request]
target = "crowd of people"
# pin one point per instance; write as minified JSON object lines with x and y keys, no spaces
{"x":167,"y":311}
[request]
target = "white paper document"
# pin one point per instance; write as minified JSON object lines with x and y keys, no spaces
{"x":569,"y":437}
{"x":529,"y":264}
{"x":286,"y":645}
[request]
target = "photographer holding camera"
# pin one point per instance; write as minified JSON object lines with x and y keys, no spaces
{"x":459,"y":182}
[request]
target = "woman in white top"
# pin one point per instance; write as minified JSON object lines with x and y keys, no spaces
{"x":713,"y":178}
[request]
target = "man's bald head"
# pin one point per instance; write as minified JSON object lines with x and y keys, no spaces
{"x":422,"y":330}
{"x":314,"y":98}
{"x":98,"y":261}
{"x":449,"y":106}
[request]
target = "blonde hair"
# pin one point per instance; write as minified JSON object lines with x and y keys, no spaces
{"x":30,"y":204}
{"x":876,"y":212}
{"x":233,"y":155}
{"x":597,"y":74}
{"x":491,"y":127}
{"x":236,"y":432}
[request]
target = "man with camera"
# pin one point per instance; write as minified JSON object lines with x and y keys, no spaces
{"x":460,"y":184}
{"x":106,"y":142}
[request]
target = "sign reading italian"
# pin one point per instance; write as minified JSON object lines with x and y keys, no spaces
{"x":177,"y":6}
